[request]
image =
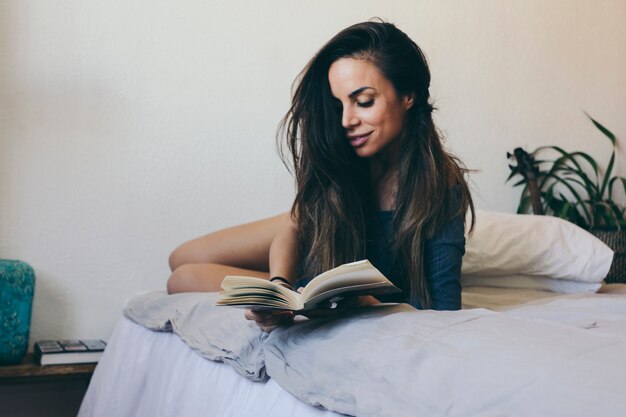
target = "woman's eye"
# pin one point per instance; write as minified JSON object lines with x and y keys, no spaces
{"x":365,"y":103}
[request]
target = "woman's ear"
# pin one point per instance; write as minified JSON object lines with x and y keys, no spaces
{"x":408,"y":100}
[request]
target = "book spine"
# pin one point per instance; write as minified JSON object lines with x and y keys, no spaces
{"x":37,"y":353}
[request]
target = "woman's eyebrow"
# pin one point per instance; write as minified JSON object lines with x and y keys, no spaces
{"x":359,"y":91}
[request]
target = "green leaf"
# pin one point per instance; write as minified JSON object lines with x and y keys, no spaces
{"x":571,"y":175}
{"x":603,"y":129}
{"x":573,"y":214}
{"x":511,"y":175}
{"x":607,"y":174}
{"x":561,"y":163}
{"x":576,"y":196}
{"x":520,"y":182}
{"x":559,"y":207}
{"x":605,"y":216}
{"x":619,"y":213}
{"x":610,"y":193}
{"x":588,"y":158}
{"x":575,"y":181}
{"x":523,"y":204}
{"x":564,"y":211}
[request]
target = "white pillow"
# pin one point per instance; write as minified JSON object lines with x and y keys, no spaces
{"x":505,"y":244}
{"x":564,"y":286}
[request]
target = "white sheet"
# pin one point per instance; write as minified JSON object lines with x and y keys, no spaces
{"x":144,"y":373}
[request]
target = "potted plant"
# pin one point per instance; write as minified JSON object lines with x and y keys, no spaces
{"x":572,"y":186}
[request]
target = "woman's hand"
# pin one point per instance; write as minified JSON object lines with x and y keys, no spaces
{"x":268,"y":320}
{"x":341,"y":306}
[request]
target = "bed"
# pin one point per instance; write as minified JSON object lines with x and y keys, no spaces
{"x":538,"y":335}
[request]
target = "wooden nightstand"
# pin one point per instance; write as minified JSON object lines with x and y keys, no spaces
{"x":29,"y":389}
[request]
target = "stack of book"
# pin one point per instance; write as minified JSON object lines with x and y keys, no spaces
{"x":57,"y":352}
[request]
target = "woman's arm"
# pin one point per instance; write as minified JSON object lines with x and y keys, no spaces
{"x":444,"y":254}
{"x":284,"y":260}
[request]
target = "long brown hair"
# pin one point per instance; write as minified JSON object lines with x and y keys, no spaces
{"x":334,"y":197}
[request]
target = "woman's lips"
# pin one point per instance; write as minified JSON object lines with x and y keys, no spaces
{"x":356,"y":141}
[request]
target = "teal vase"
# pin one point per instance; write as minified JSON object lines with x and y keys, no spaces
{"x":17,"y":286}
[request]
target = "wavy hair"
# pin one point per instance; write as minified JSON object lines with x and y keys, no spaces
{"x":334,"y":195}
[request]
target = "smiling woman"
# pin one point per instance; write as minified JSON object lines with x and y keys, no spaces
{"x":372,"y":112}
{"x":373,"y":181}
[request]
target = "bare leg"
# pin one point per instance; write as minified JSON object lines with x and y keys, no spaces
{"x":205,"y":277}
{"x":202,"y":263}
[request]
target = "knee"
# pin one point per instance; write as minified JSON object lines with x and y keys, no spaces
{"x":196,"y":278}
{"x":178,"y":280}
{"x":194,"y":252}
{"x":178,"y":258}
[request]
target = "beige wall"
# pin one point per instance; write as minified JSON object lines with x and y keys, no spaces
{"x":127,"y":127}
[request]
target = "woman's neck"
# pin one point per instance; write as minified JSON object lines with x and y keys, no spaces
{"x":384,"y":183}
{"x":383,"y":169}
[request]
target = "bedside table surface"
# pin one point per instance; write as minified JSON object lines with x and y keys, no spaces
{"x":28,"y":371}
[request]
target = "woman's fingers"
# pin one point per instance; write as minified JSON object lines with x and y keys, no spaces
{"x":268,"y":320}
{"x":251,"y":315}
{"x":335,"y":308}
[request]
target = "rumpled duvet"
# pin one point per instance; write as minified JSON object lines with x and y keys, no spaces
{"x":393,"y":360}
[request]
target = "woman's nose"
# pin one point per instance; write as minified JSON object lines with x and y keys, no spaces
{"x":348,"y":118}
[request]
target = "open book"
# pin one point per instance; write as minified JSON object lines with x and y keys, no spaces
{"x":355,"y":278}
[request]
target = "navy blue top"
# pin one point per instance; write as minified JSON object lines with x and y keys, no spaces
{"x":443,"y":255}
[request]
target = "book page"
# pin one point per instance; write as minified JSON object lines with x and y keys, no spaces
{"x":348,"y":275}
{"x":252,"y":292}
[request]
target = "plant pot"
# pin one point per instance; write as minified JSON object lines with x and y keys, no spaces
{"x":616,"y":240}
{"x":17,"y":286}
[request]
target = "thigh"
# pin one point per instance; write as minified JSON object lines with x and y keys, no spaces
{"x":245,"y":246}
{"x":205,"y":277}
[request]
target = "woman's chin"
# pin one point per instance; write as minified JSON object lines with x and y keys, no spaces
{"x":364,"y":151}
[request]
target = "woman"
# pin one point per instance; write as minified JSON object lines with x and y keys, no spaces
{"x":373,"y":181}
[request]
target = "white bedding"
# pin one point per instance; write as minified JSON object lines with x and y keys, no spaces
{"x":146,"y":373}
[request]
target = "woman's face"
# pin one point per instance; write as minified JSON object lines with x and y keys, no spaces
{"x":372,"y":112}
